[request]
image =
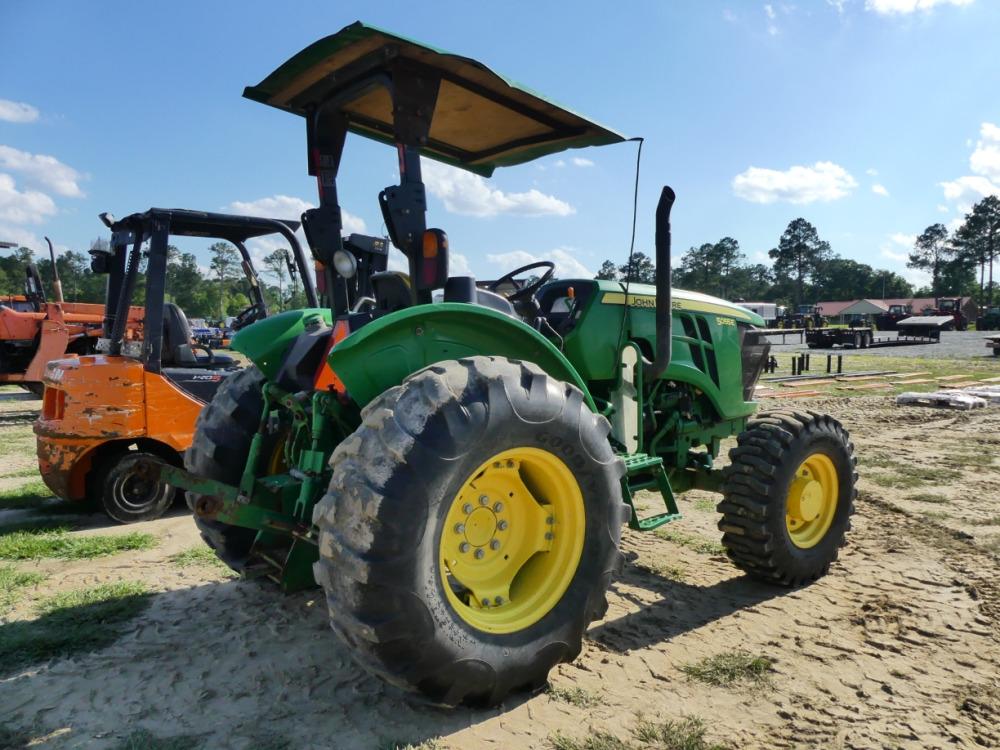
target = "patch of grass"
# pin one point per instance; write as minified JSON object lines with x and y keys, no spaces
{"x":937,"y":515}
{"x":200,"y":556}
{"x":24,"y":471}
{"x":664,"y":570}
{"x":705,"y":505}
{"x":575,"y":696}
{"x":697,"y":543}
{"x":928,"y":497}
{"x":916,"y":476}
{"x":967,"y":458}
{"x":878,"y":461}
{"x":142,"y":739}
{"x":32,"y":544}
{"x":687,"y":733}
{"x":431,"y":744}
{"x":72,"y":622}
{"x":12,"y":581}
{"x":29,"y":495}
{"x":730,"y":667}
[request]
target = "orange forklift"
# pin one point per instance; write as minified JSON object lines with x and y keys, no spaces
{"x":140,"y":396}
{"x":35,"y":330}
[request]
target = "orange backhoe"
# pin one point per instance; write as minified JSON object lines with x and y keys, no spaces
{"x":35,"y":330}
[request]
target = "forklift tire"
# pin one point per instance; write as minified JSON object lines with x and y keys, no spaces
{"x":434,"y":500}
{"x":222,"y":438}
{"x":788,"y":496}
{"x":125,"y":497}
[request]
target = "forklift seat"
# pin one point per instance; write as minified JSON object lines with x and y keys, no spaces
{"x":177,"y":350}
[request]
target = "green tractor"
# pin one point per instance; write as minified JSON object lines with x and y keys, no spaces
{"x":455,"y":472}
{"x":989,"y":320}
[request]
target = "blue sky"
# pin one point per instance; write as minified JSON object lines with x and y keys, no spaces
{"x":870,"y":118}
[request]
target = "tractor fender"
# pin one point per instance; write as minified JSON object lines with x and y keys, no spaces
{"x":266,"y":342}
{"x":386,"y":351}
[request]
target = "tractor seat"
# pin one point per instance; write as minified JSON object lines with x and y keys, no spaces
{"x":391,"y":290}
{"x":464,"y":289}
{"x":177,"y":350}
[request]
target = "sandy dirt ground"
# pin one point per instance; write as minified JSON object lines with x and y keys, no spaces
{"x":899,"y":647}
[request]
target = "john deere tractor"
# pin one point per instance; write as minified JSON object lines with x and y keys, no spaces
{"x":455,"y":473}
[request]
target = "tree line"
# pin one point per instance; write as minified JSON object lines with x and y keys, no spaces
{"x":220,"y":292}
{"x":805,"y":269}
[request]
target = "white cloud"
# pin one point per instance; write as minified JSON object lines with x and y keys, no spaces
{"x":970,"y":188}
{"x":871,"y":172}
{"x":579,"y":161}
{"x":729,"y":16}
{"x":469,"y":194}
{"x":905,"y":7}
{"x":985,"y":160}
{"x":560,"y":164}
{"x":879,"y":189}
{"x":289,"y":207}
{"x":837,"y":4}
{"x":23,"y":207}
{"x":284,"y":207}
{"x":20,"y":235}
{"x":567,"y":265}
{"x":43,"y":170}
{"x":823,"y":181}
{"x":17,"y":111}
{"x":898,"y":247}
{"x":943,"y":208}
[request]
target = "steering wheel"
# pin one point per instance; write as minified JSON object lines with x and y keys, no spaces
{"x":530,"y":289}
{"x":245,"y":318}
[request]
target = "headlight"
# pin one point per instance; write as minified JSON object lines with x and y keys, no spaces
{"x":345,"y":263}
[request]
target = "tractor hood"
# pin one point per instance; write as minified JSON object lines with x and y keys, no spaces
{"x":481,"y":120}
{"x":644,"y":296}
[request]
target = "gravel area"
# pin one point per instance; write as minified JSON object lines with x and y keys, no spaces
{"x":953,"y":344}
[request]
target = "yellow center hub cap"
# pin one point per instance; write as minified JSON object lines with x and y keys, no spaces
{"x":812,"y":501}
{"x":512,"y":540}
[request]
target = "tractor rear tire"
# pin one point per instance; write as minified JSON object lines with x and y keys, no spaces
{"x":222,"y":438}
{"x":391,"y":544}
{"x":786,"y":462}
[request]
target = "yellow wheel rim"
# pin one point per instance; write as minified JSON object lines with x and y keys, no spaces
{"x":512,"y":540}
{"x":812,"y":501}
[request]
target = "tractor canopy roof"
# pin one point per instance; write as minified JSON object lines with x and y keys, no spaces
{"x":188,"y":223}
{"x":481,"y":120}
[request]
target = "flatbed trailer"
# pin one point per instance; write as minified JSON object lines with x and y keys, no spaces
{"x":993,"y":342}
{"x":865,"y":338}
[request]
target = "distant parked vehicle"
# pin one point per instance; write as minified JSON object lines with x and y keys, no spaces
{"x":989,"y":320}
{"x":889,"y":320}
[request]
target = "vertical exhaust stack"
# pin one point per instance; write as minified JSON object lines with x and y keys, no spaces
{"x":56,"y":283}
{"x":664,"y":302}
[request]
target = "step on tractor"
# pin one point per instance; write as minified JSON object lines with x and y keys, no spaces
{"x":35,"y":329}
{"x":141,"y":393}
{"x":456,"y":474}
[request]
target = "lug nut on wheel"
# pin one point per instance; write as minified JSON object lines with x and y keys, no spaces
{"x":467,"y":509}
{"x":494,"y":544}
{"x":459,"y":528}
{"x":483,"y":500}
{"x":463,"y":547}
{"x":497,"y":507}
{"x":502,"y":526}
{"x":479,"y":554}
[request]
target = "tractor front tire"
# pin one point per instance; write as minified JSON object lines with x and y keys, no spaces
{"x":471,"y":530}
{"x":788,"y":496}
{"x":223,"y":433}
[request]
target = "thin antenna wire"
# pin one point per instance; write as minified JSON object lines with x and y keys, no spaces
{"x":631,"y":248}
